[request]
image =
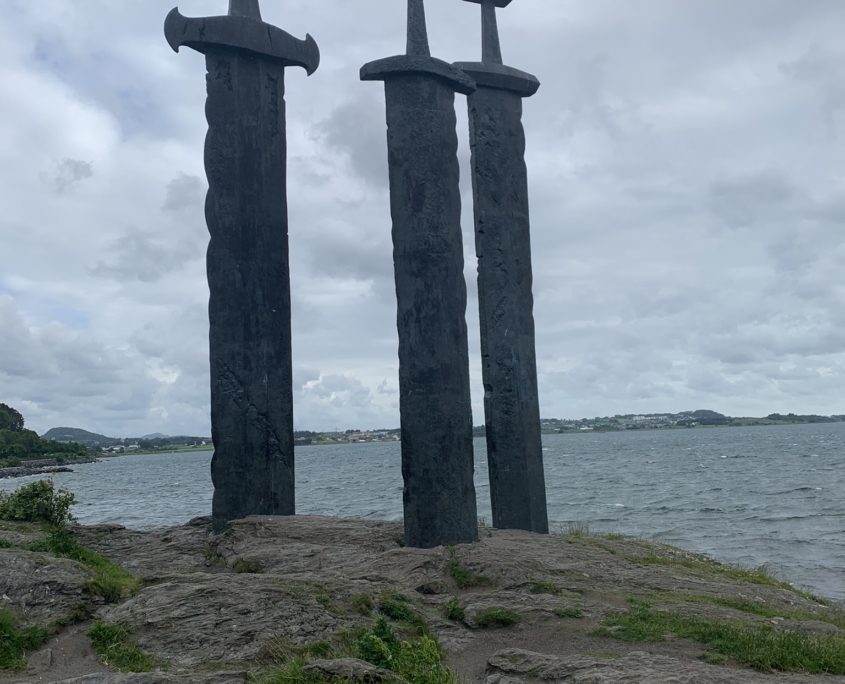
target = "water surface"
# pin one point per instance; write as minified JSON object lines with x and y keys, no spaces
{"x":756,"y":496}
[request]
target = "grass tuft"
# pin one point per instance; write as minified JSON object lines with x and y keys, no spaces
{"x":15,"y":643}
{"x":116,"y":649}
{"x":454,"y":610}
{"x":568,"y":612}
{"x":362,"y":603}
{"x":110,"y":581}
{"x":464,"y":577}
{"x":544,"y":588}
{"x":398,"y":607}
{"x":497,"y":617}
{"x":248,"y":566}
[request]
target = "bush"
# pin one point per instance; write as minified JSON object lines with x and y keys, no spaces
{"x":38,"y":502}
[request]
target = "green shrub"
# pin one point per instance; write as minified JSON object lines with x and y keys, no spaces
{"x":454,"y":610}
{"x":16,"y":643}
{"x":37,"y":502}
{"x":417,"y":662}
{"x":114,"y":645}
{"x":544,"y":588}
{"x":497,"y":617}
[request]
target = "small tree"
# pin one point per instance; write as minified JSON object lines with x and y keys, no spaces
{"x":10,"y":419}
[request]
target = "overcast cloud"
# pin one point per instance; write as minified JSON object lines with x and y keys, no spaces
{"x":687,"y":171}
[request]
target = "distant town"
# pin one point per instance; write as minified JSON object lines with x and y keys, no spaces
{"x":646,"y":421}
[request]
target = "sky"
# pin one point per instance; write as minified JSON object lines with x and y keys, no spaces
{"x":687,"y":183}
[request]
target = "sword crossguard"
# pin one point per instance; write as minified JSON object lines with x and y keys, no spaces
{"x":490,"y":71}
{"x":241,"y":29}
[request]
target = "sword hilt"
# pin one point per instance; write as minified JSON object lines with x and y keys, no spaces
{"x":491,"y":49}
{"x":241,"y":29}
{"x":245,"y":8}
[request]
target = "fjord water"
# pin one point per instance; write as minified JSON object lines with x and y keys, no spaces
{"x":755,"y":496}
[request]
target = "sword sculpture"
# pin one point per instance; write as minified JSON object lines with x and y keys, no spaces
{"x":425,"y":202}
{"x":503,"y":247}
{"x":248,"y":268}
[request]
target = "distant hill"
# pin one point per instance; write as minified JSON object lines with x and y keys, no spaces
{"x":89,"y":439}
{"x":156,"y":435}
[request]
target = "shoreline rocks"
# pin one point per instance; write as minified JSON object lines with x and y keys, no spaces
{"x":268,"y":588}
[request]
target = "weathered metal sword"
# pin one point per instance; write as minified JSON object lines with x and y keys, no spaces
{"x":425,"y":202}
{"x":248,"y":264}
{"x":503,"y":247}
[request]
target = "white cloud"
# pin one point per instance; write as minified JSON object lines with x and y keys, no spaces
{"x":687,"y":202}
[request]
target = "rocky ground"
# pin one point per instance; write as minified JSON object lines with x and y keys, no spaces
{"x":42,"y":467}
{"x":227,"y":608}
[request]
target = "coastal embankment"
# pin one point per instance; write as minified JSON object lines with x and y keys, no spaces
{"x":311,"y":599}
{"x":44,"y":466}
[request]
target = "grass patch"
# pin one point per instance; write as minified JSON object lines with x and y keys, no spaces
{"x":545,"y":588}
{"x":576,"y":530}
{"x":454,"y":610}
{"x":464,"y":577}
{"x":362,"y":603}
{"x":110,"y":581}
{"x":759,"y":646}
{"x":497,"y":617}
{"x":15,"y":643}
{"x":6,"y":544}
{"x":755,"y":576}
{"x":568,"y":612}
{"x":323,"y":597}
{"x":398,"y":607}
{"x":116,"y":649}
{"x":248,"y":566}
{"x":829,"y":615}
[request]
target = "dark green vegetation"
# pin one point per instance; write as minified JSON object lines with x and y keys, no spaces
{"x":497,"y":617}
{"x":37,"y":502}
{"x":568,"y":613}
{"x":398,"y":607}
{"x":248,"y":565}
{"x":463,"y":576}
{"x":416,"y":660}
{"x":116,"y":649}
{"x":760,"y":646}
{"x":454,"y":610}
{"x":15,"y":643}
{"x":362,"y":603}
{"x":17,"y":444}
